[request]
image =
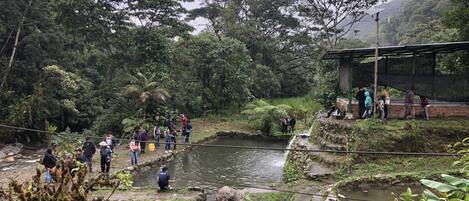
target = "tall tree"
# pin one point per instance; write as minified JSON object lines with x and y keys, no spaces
{"x":215,"y":72}
{"x":332,"y":20}
{"x":458,"y":18}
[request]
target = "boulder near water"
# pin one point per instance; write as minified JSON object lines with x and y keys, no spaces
{"x":227,"y":194}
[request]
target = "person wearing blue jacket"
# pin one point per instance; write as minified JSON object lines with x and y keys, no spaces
{"x":368,"y":104}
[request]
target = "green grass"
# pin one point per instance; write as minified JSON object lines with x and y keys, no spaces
{"x":399,"y":165}
{"x":408,"y":135}
{"x":397,"y":125}
{"x":209,"y":126}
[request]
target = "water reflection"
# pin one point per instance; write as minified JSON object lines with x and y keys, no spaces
{"x":227,"y":166}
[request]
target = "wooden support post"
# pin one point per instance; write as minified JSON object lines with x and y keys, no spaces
{"x":414,"y":60}
{"x":350,"y":87}
{"x":433,"y":75}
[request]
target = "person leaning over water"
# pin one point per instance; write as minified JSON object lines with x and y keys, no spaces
{"x":163,"y":179}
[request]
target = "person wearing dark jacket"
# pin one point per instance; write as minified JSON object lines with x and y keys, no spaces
{"x":143,"y":140}
{"x":79,"y":156}
{"x":361,"y":101}
{"x":292,"y":123}
{"x":187,"y":131}
{"x":106,"y":157}
{"x":163,"y":179}
{"x":89,"y":150}
{"x":49,"y":161}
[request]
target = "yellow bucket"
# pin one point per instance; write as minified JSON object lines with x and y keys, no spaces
{"x":151,"y":147}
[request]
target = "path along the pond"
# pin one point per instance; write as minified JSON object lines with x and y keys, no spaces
{"x":203,"y":129}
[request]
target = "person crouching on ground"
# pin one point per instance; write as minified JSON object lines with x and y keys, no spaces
{"x":134,"y":149}
{"x":106,"y":157}
{"x":163,"y":179}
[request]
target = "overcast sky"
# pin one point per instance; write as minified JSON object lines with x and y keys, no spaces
{"x":199,"y":23}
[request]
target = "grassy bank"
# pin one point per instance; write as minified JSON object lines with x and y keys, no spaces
{"x":408,"y":135}
{"x":209,"y":126}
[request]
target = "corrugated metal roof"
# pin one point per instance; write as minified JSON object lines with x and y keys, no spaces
{"x":418,"y":49}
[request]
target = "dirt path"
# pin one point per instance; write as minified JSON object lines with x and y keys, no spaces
{"x":146,"y":194}
{"x":23,"y":170}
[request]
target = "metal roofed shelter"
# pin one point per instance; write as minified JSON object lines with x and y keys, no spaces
{"x":404,"y":67}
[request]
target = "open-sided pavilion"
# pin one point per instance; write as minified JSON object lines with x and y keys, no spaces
{"x":405,"y":67}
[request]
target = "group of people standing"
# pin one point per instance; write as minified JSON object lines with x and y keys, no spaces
{"x":137,"y":145}
{"x":365,"y":97}
{"x":288,"y":124}
{"x":168,"y":131}
{"x":83,"y":155}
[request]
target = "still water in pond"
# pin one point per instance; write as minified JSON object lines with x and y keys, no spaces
{"x":227,"y":166}
{"x":380,"y":193}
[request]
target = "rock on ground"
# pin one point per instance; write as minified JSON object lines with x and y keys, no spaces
{"x":227,"y":194}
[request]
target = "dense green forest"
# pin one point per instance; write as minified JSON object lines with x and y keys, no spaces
{"x":93,"y":66}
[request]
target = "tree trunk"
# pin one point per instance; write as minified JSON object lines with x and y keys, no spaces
{"x":48,"y":134}
{"x":14,"y":47}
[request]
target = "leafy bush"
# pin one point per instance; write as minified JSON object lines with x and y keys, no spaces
{"x":302,"y":107}
{"x":454,"y":189}
{"x":264,"y":116}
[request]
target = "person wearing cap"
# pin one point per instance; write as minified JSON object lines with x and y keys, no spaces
{"x":89,"y":150}
{"x":106,"y":157}
{"x":163,"y":179}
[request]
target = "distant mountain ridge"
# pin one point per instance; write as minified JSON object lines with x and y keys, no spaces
{"x":366,"y":27}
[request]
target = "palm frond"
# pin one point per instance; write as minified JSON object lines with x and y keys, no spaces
{"x":131,"y":91}
{"x":150,"y":86}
